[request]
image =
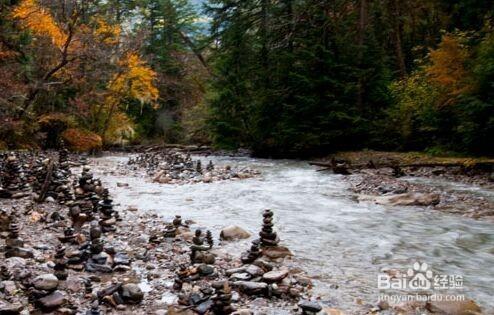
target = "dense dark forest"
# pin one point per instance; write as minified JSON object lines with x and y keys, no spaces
{"x":283,"y":78}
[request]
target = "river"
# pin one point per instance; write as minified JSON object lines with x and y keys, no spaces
{"x":339,"y":242}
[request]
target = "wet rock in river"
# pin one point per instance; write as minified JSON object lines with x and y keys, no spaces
{"x":234,"y":232}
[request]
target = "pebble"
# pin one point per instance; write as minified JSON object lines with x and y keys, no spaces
{"x":310,"y":306}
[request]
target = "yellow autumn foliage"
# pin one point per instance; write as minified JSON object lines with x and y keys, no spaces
{"x":136,"y":81}
{"x":39,"y":21}
{"x":447,"y":69}
{"x":121,"y":129}
{"x":107,"y":33}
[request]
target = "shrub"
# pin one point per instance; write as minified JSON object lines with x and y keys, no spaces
{"x":82,"y":140}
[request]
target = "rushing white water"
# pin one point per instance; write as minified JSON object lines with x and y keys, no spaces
{"x":343,"y":244}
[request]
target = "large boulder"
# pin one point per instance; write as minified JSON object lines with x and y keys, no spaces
{"x":468,"y":307}
{"x":409,"y":199}
{"x":233,"y":232}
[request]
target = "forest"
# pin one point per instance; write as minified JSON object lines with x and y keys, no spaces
{"x":287,"y":78}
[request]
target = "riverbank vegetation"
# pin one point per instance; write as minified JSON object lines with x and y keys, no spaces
{"x":283,"y":78}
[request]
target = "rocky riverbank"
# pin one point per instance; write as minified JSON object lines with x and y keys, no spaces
{"x":176,"y":167}
{"x":67,"y":249}
{"x":456,"y":185}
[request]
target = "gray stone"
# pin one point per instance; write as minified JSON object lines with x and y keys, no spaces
{"x":254,"y":270}
{"x":131,"y":293}
{"x":250,"y":287}
{"x":46,"y":282}
{"x":52,"y":301}
{"x":310,"y":306}
{"x":205,"y":270}
{"x":240,"y":276}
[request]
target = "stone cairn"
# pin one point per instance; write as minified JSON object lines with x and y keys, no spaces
{"x":14,"y":245}
{"x":12,"y":177}
{"x":209,"y":239}
{"x":60,"y":264}
{"x":210,"y":166}
{"x":86,"y":196}
{"x":52,"y":181}
{"x":252,"y":254}
{"x":170,"y":230}
{"x":198,"y":251}
{"x":63,"y":158}
{"x":268,"y":236}
{"x":222,"y":298}
{"x":108,"y":216}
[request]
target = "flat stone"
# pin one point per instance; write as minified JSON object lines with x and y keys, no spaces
{"x":242,"y":312}
{"x":250,"y":287}
{"x":310,"y":306}
{"x":121,"y":259}
{"x":240,"y":276}
{"x":19,"y":252}
{"x":46,"y":282}
{"x":91,"y":267}
{"x":275,"y":275}
{"x":230,"y":272}
{"x":205,"y":270}
{"x":52,"y":301}
{"x":9,"y":308}
{"x":204,"y":307}
{"x":254,"y":270}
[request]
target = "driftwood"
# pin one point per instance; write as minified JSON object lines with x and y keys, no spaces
{"x":46,"y":183}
